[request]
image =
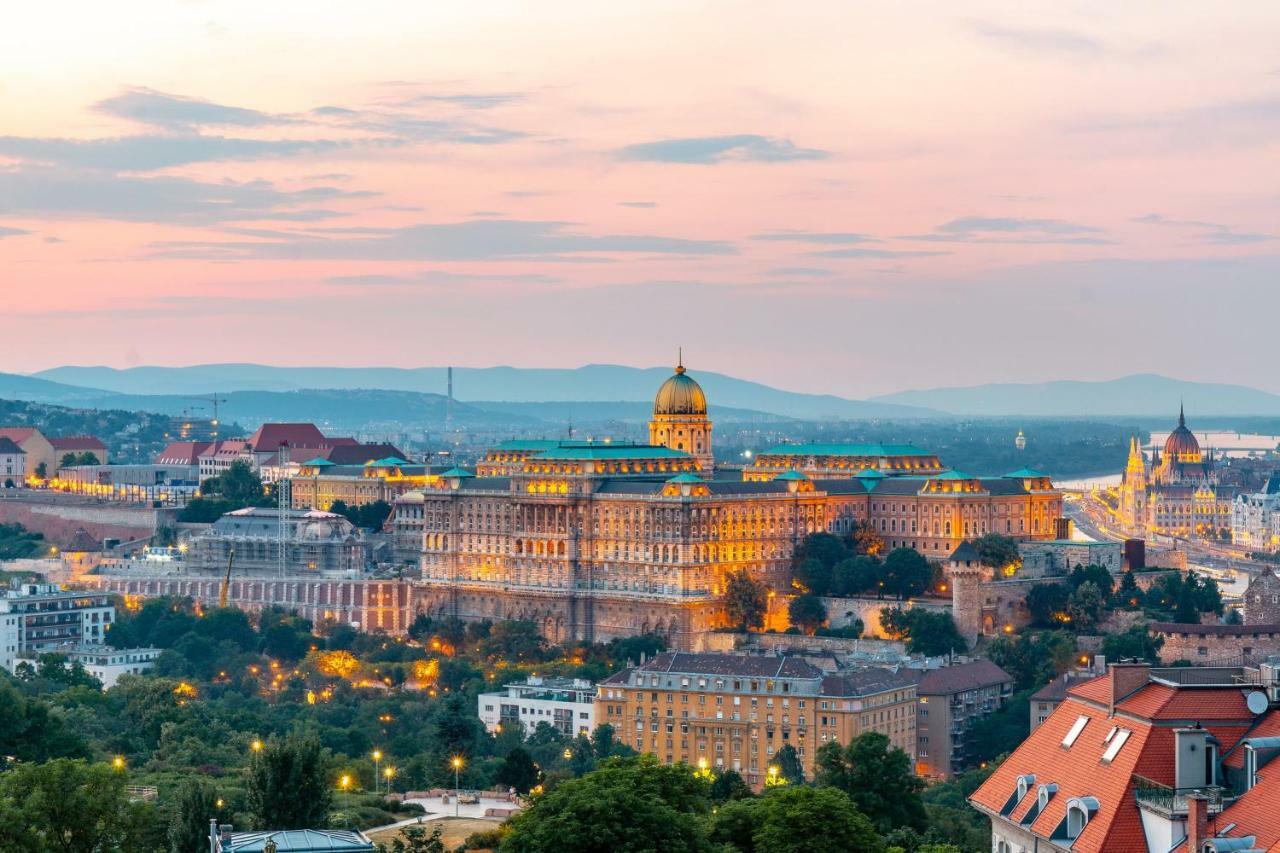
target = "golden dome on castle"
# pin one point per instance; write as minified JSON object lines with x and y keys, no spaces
{"x":1181,"y":445}
{"x":680,"y":395}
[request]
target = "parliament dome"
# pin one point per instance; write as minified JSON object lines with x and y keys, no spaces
{"x":680,"y":395}
{"x":1181,"y":445}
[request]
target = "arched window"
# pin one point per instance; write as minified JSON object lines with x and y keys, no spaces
{"x":1079,"y":810}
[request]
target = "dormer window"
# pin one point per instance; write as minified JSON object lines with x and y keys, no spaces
{"x":1076,"y":728}
{"x":1079,"y":812}
{"x":1020,"y":792}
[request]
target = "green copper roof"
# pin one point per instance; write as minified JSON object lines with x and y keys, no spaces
{"x":1023,"y":473}
{"x":318,"y":462}
{"x":871,"y":474}
{"x":456,"y":473}
{"x":685,"y":478}
{"x":791,"y":475}
{"x":534,"y":445}
{"x":609,"y":452}
{"x":844,"y":450}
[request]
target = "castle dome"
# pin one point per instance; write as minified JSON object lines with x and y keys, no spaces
{"x":1181,"y":443}
{"x":680,"y":395}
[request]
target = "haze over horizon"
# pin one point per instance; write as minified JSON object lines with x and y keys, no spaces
{"x":854,"y":201}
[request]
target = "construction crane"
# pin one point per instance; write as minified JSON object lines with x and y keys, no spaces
{"x":215,"y":400}
{"x":226,"y":580}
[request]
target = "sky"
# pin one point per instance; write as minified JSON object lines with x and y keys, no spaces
{"x":845,"y":197}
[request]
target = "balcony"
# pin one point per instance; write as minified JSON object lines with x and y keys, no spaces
{"x":1171,"y":803}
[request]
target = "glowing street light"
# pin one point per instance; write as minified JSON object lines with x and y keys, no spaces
{"x":457,"y":788}
{"x":256,"y":745}
{"x":377,"y":757}
{"x":344,"y":781}
{"x":568,"y":753}
{"x":388,"y":773}
{"x":118,"y":762}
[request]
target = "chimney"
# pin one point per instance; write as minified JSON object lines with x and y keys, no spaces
{"x":1123,"y":679}
{"x":1197,"y":821}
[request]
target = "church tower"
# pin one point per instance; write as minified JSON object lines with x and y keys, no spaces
{"x":680,"y":418}
{"x":1133,"y":489}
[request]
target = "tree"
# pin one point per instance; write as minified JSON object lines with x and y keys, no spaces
{"x":238,"y":485}
{"x":88,"y":458}
{"x":194,"y":804}
{"x":997,"y":551}
{"x":856,"y":575}
{"x":999,"y":733}
{"x":1187,"y":609}
{"x":789,"y":766}
{"x":68,"y":460}
{"x":1135,"y":643}
{"x":1097,"y":575}
{"x":906,"y":572}
{"x":67,"y":806}
{"x":42,"y":471}
{"x":807,"y":612}
{"x":414,"y":839}
{"x":1085,"y":607}
{"x":627,"y":806}
{"x":1047,"y":604}
{"x":927,"y":632}
{"x":866,"y":539}
{"x":878,"y":778}
{"x":825,"y":548}
{"x":31,"y":732}
{"x":796,"y":819}
{"x":1129,"y":596}
{"x":287,"y":785}
{"x":1033,"y":659}
{"x":814,"y":576}
{"x":518,"y":771}
{"x":746,"y":600}
{"x":729,"y":785}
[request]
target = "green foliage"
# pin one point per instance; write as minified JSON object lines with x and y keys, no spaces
{"x":1183,"y":597}
{"x":878,"y":778}
{"x":416,"y":840}
{"x":31,"y":731}
{"x":789,"y":766}
{"x":827,"y":566}
{"x":626,"y":806}
{"x":729,"y":785}
{"x":1096,"y":575}
{"x":70,"y":807}
{"x":807,"y":612}
{"x":997,"y":551}
{"x":746,"y":600}
{"x":235,"y":488}
{"x":1047,"y":603}
{"x":927,"y":632}
{"x":1085,"y":607}
{"x":371,"y":515}
{"x":1135,"y":643}
{"x":18,"y":543}
{"x":195,"y":803}
{"x":1033,"y":659}
{"x":796,"y":819}
{"x":1000,"y":733}
{"x":518,"y":771}
{"x":857,"y":575}
{"x":906,"y":573}
{"x":288,"y":787}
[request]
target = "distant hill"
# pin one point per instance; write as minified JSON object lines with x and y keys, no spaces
{"x":1143,"y":394}
{"x":597,"y":411}
{"x":595,"y":382}
{"x":16,"y":387}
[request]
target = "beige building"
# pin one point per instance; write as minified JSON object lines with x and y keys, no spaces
{"x":319,"y":482}
{"x":38,"y":449}
{"x":732,"y":711}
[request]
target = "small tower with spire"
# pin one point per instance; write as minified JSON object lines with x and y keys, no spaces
{"x":680,"y":419}
{"x":1021,"y":441}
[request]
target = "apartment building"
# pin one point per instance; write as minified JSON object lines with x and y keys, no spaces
{"x":38,"y":617}
{"x":734,"y":711}
{"x":949,"y":701}
{"x":566,"y":704}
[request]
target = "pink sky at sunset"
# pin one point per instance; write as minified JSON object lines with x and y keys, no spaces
{"x":853,"y":198}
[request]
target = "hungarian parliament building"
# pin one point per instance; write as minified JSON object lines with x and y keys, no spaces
{"x":595,"y":540}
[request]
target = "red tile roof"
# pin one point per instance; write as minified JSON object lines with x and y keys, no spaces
{"x":77,"y":442}
{"x":269,"y":437}
{"x":183,"y":452}
{"x":961,"y":677}
{"x":17,"y":434}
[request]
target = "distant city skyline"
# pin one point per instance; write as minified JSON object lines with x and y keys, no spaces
{"x":846,"y":198}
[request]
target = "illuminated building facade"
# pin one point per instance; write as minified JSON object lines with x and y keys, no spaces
{"x":596,"y":540}
{"x":320,"y":482}
{"x":732,"y":711}
{"x":1177,"y":494}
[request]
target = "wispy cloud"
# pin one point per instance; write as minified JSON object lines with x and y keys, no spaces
{"x":438,"y":278}
{"x":6,"y":231}
{"x":817,"y":237}
{"x":477,"y":240}
{"x":646,"y":205}
{"x":1003,"y":229}
{"x":151,"y":152}
{"x":178,"y":112}
{"x":1042,"y":40}
{"x":860,"y":252}
{"x":800,"y":272}
{"x":1213,"y":232}
{"x":70,"y":194}
{"x":707,"y":150}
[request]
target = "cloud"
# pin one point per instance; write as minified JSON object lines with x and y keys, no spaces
{"x":147,"y":153}
{"x":413,"y":128}
{"x":818,"y":237}
{"x":1235,"y":123}
{"x":641,"y":204}
{"x":177,"y":112}
{"x":438,"y":278}
{"x":6,"y":231}
{"x":876,"y":253}
{"x":1214,"y":232}
{"x":475,"y":240}
{"x":481,"y":101}
{"x":1040,"y":39}
{"x":70,"y":194}
{"x":719,"y":149}
{"x":802,"y":272}
{"x":999,"y":229}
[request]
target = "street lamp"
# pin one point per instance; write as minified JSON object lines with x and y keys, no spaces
{"x":568,"y":753}
{"x":344,"y":781}
{"x":389,"y":772}
{"x":256,"y":745}
{"x":377,"y":757}
{"x":118,"y":762}
{"x":457,"y":789}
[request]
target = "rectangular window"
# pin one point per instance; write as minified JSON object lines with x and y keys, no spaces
{"x":1113,"y":748}
{"x":1076,"y":728}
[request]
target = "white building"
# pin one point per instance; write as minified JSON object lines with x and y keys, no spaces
{"x":565,"y":703}
{"x":1255,"y":519}
{"x":13,"y":462}
{"x":102,"y":662}
{"x":38,"y":617}
{"x":1060,"y":556}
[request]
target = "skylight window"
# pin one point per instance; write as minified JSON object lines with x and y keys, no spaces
{"x":1113,"y":748}
{"x":1076,"y":728}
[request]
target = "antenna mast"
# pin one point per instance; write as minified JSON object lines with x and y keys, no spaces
{"x":282,"y":507}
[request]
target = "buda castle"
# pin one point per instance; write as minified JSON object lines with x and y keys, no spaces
{"x":595,"y":540}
